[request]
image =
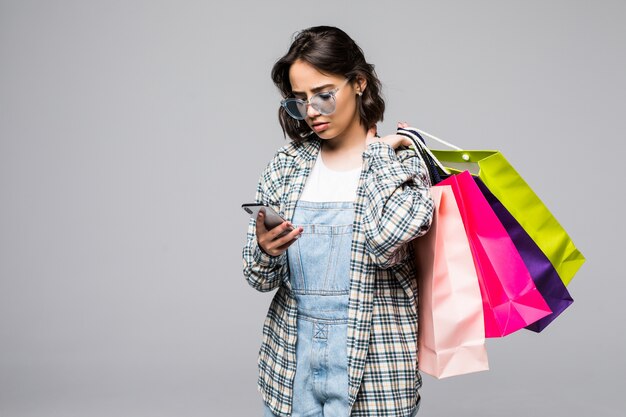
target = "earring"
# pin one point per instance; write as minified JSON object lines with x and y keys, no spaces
{"x":359,"y":93}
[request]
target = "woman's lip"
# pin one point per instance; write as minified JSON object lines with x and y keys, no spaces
{"x":320,"y":126}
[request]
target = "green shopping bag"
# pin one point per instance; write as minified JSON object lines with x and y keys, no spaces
{"x":520,"y":200}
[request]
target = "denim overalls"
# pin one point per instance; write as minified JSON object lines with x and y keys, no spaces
{"x":319,"y":263}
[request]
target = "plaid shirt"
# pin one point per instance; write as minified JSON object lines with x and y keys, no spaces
{"x":393,"y":206}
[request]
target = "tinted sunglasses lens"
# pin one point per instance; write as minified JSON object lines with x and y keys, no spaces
{"x":295,"y":108}
{"x":324,"y":103}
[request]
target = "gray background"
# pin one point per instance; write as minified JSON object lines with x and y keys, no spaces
{"x":131,"y":132}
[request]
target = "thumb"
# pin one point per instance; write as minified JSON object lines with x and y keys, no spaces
{"x":260,"y":223}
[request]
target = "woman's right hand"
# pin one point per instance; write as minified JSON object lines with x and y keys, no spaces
{"x":276,"y":241}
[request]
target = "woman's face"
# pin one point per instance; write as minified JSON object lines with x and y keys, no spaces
{"x":306,"y":80}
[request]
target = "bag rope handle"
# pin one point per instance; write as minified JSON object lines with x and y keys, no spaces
{"x":414,"y":134}
{"x":435,"y":138}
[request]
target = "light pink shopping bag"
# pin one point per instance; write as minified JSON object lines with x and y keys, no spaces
{"x":451,"y":323}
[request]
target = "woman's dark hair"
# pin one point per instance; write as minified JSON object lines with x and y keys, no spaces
{"x":331,"y":51}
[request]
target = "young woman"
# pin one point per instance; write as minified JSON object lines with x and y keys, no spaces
{"x":340,"y":337}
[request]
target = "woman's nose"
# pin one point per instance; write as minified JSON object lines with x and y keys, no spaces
{"x":311,"y":112}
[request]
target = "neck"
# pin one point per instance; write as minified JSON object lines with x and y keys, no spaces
{"x":350,"y":141}
{"x":345,"y":152}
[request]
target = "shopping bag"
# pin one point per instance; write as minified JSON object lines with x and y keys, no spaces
{"x":521,"y":201}
{"x":451,"y":323}
{"x":511,"y":300}
{"x":541,"y":270}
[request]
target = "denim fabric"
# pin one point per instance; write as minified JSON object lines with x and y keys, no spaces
{"x":392,"y":207}
{"x":319,"y":263}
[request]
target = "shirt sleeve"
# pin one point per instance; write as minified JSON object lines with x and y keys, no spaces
{"x":264,"y":272}
{"x":400,"y":207}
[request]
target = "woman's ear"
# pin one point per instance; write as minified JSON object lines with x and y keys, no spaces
{"x":360,"y":84}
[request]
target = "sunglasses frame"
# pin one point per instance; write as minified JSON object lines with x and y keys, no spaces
{"x":332,"y":93}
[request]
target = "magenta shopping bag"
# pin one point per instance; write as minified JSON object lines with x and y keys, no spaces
{"x":539,"y":266}
{"x":451,"y":323}
{"x":511,"y":300}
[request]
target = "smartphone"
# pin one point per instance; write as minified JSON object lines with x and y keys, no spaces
{"x":272,"y":219}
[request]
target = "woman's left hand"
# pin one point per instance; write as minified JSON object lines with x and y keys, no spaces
{"x":392,"y":140}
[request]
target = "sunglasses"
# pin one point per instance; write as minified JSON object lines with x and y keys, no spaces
{"x":324,"y":103}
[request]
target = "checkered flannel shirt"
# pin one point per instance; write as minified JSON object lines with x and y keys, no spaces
{"x":393,"y":206}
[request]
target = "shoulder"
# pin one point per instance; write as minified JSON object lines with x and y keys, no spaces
{"x":405,"y":153}
{"x":384,"y":150}
{"x":295,"y":152}
{"x":413,"y":159}
{"x":288,"y":157}
{"x":402,"y":159}
{"x":301,"y":149}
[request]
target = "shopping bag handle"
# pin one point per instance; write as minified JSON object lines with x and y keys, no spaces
{"x":435,"y":138}
{"x":414,"y":134}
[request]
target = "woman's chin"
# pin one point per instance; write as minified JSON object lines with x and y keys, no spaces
{"x":325,"y":135}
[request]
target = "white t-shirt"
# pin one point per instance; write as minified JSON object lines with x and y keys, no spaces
{"x":325,"y":184}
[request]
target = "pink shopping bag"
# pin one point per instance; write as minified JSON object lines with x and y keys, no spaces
{"x":451,"y":323}
{"x":511,"y":300}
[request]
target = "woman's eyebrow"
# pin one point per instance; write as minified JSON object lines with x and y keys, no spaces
{"x":315,"y":90}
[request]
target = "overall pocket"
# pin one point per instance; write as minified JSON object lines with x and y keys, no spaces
{"x":319,"y":260}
